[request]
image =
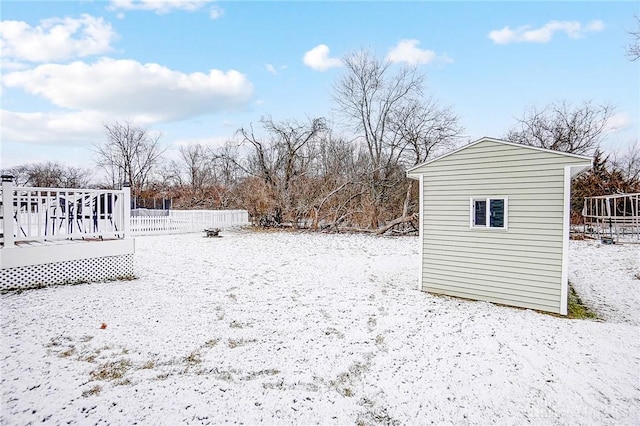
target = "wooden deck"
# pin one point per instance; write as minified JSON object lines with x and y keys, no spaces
{"x":35,"y":252}
{"x":46,"y":243}
{"x":63,"y":235}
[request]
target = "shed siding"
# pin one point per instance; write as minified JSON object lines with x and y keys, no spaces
{"x":521,"y":266}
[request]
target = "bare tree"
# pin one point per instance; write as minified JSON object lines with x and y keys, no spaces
{"x":129,"y":154}
{"x":197,"y":162}
{"x":426,"y":129}
{"x":335,"y":183}
{"x":618,"y":176}
{"x":386,"y":108}
{"x":277,"y":161}
{"x":628,"y":163}
{"x":561,"y":127}
{"x":633,"y":49}
{"x":21,"y":176}
{"x":50,"y":174}
{"x":226,"y":160}
{"x":367,"y":96}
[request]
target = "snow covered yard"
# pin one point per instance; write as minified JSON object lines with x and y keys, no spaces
{"x":282,"y":328}
{"x":618,"y":266}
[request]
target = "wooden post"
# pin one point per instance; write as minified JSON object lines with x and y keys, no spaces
{"x":7,"y":211}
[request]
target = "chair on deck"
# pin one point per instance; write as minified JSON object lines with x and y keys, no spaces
{"x":102,"y":206}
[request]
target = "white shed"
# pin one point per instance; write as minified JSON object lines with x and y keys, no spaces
{"x":494,"y":223}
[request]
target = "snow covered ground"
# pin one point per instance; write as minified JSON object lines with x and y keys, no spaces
{"x":287,"y":328}
{"x":618,"y":266}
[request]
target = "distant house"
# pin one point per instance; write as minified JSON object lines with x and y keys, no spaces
{"x":494,"y":223}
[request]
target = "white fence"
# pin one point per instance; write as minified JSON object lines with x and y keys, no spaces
{"x":615,"y":216}
{"x":38,"y":214}
{"x":185,"y":221}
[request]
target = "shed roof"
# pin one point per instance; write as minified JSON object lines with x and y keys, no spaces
{"x":412,"y":175}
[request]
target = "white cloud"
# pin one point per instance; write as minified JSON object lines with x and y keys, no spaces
{"x":12,"y":66}
{"x":126,"y":88}
{"x":55,"y":39}
{"x":618,"y":122}
{"x":318,"y":58}
{"x":409,"y":52}
{"x":273,"y":70}
{"x":525,"y":34}
{"x":161,"y":6}
{"x":215,"y":12}
{"x":77,"y":128}
{"x":596,"y":26}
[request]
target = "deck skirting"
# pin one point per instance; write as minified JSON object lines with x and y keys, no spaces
{"x":75,"y":262}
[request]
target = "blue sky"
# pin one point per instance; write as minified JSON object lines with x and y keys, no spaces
{"x":198,"y":70}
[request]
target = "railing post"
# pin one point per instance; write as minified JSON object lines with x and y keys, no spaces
{"x":126,"y":192}
{"x":7,"y":211}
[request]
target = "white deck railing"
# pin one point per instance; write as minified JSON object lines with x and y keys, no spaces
{"x":39,"y":214}
{"x":51,"y":214}
{"x":185,"y":221}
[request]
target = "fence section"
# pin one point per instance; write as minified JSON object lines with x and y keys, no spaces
{"x":51,"y":214}
{"x":613,"y":216}
{"x":185,"y":221}
{"x":38,"y":214}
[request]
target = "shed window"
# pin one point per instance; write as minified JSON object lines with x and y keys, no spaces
{"x":489,"y":212}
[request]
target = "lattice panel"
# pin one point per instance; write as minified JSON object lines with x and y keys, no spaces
{"x":69,"y":272}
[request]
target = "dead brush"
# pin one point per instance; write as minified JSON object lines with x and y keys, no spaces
{"x":193,"y":358}
{"x":234,"y":343}
{"x":148,"y":365}
{"x":111,"y":370}
{"x":211,"y":343}
{"x":67,"y":353}
{"x":236,"y":324}
{"x":95,"y":390}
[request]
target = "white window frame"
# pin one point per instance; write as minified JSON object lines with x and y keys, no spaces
{"x":487,"y":226}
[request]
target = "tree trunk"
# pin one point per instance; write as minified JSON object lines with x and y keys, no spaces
{"x":395,"y":222}
{"x":407,"y":198}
